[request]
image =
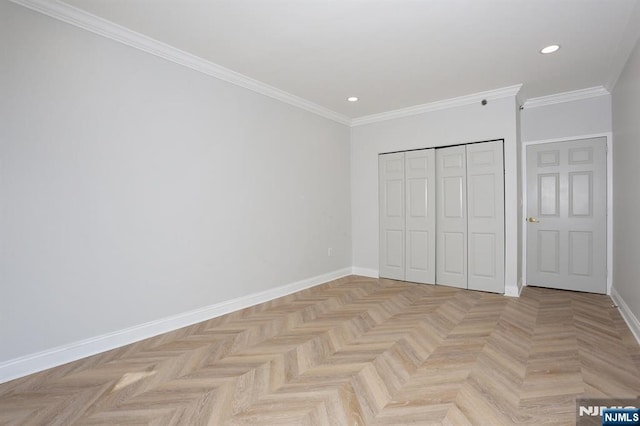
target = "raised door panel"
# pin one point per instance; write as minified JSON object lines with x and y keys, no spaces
{"x":391,"y":170}
{"x":394,"y":250}
{"x":581,"y":194}
{"x":548,"y":251}
{"x":453,"y":255}
{"x":451,"y":217}
{"x":485,"y":224}
{"x":581,"y":253}
{"x":420,"y":216}
{"x":453,"y":203}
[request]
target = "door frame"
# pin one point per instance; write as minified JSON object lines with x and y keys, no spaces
{"x":523,"y":169}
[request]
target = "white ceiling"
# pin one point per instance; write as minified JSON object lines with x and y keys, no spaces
{"x":393,"y":53}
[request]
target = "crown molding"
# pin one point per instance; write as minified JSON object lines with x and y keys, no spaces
{"x":574,"y":95}
{"x":438,"y":105}
{"x":81,"y":19}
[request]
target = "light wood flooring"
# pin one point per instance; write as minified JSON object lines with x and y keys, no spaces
{"x":356,"y":351}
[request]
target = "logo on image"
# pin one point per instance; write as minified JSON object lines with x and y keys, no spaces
{"x":608,"y":412}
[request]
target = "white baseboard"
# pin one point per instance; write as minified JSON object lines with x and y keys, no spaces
{"x":513,"y":291}
{"x":631,"y":320}
{"x":49,"y":358}
{"x":365,"y":272}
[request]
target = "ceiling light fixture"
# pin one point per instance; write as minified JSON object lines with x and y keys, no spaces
{"x":352,"y":99}
{"x":550,"y":49}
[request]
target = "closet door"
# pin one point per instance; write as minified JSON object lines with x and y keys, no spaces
{"x":420,"y":218}
{"x":392,"y":217}
{"x":451,"y":218}
{"x":485,"y":198}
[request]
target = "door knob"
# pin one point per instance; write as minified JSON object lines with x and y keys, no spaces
{"x":533,"y":219}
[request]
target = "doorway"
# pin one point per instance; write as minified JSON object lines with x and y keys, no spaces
{"x":566,"y":215}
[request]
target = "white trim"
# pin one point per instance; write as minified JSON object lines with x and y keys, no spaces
{"x":559,"y":98}
{"x":513,"y":291}
{"x":49,"y":358}
{"x":609,"y":138}
{"x":365,"y":272}
{"x":523,"y":218}
{"x":631,"y":320}
{"x":87,"y":21}
{"x":438,"y":105}
{"x":79,"y":18}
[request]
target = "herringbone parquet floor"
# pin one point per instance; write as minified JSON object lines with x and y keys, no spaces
{"x":355,"y":351}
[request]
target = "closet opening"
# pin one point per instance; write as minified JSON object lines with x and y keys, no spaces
{"x":442,"y":215}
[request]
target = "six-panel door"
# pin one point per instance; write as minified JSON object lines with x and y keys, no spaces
{"x":451,"y":217}
{"x":420,"y":220}
{"x":566,"y":208}
{"x":485,"y":210}
{"x":392,"y":220}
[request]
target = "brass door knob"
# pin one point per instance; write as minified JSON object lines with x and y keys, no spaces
{"x":533,"y":220}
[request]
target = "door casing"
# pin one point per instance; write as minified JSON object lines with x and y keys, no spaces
{"x":523,"y":177}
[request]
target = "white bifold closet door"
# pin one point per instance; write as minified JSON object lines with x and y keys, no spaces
{"x":407,"y":216}
{"x":470,"y":216}
{"x":391,"y":198}
{"x":420,"y":217}
{"x":485,"y":216}
{"x":451,"y":202}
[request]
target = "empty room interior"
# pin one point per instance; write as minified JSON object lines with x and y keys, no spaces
{"x":319,"y":212}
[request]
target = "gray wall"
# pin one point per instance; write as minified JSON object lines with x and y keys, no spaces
{"x":568,"y":119}
{"x":626,"y":176}
{"x":133,"y":188}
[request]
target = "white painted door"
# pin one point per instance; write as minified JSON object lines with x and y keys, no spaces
{"x":485,"y":211}
{"x":566,"y":209}
{"x":392,"y":217}
{"x":451,"y":217}
{"x":420,"y":219}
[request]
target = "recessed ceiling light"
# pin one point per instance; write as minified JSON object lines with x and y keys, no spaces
{"x":550,"y":49}
{"x":352,"y":99}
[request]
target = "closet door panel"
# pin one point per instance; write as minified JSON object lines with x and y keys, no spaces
{"x":392,"y":215}
{"x":485,"y":189}
{"x":420,"y":216}
{"x":451,"y":217}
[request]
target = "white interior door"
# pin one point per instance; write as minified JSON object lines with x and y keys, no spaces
{"x":451,"y":217}
{"x":392,"y":217}
{"x":485,"y":210}
{"x":566,"y":209}
{"x":420,"y":220}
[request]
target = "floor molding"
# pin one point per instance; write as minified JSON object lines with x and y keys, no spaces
{"x":511,"y":291}
{"x":514,"y":291}
{"x":631,"y":320}
{"x":25,"y":365}
{"x":365,"y":272}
